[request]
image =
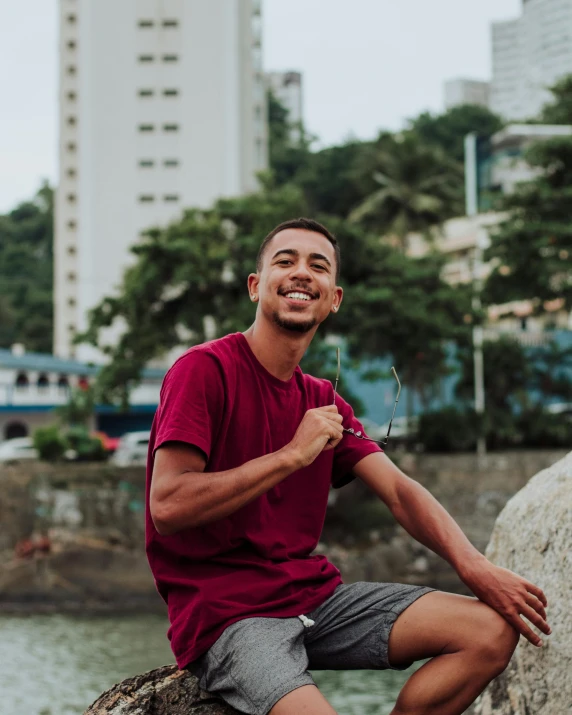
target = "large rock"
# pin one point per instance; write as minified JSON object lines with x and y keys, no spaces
{"x":164,"y":691}
{"x":533,"y":537}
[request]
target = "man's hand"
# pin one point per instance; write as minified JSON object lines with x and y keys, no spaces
{"x":510,"y":595}
{"x":321,"y":429}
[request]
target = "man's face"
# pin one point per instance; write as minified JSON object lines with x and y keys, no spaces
{"x":296,"y":287}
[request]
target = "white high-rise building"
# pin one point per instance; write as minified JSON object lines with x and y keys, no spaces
{"x":162,"y":107}
{"x":530,"y":54}
{"x":287,"y":88}
{"x":466,"y":91}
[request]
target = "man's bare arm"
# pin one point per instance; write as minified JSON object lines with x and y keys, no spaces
{"x":428,"y":522}
{"x":183,"y":495}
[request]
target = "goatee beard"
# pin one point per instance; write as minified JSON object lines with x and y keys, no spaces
{"x":294,"y":325}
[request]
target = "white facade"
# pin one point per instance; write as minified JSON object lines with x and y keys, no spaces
{"x":530,"y":54}
{"x":287,"y":88}
{"x":466,"y":91}
{"x":162,"y":107}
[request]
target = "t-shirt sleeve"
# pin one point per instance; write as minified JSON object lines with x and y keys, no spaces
{"x":192,"y":402}
{"x":350,"y":450}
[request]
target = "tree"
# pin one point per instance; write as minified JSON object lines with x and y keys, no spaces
{"x":287,"y":156}
{"x":26,"y":257}
{"x":559,"y":109}
{"x":413,"y":187}
{"x":448,"y":130}
{"x":532,"y":249}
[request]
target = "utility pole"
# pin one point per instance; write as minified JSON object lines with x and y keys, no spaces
{"x":472,"y":210}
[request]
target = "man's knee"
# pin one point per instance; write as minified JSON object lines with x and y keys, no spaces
{"x":495,"y":642}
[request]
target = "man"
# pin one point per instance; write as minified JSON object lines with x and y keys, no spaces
{"x":243,"y":450}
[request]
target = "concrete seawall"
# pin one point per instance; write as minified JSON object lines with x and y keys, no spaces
{"x":72,"y":535}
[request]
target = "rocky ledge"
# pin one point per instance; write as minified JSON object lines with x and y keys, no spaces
{"x":533,"y":536}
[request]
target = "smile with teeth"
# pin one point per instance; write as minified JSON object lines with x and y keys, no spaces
{"x":298,"y":296}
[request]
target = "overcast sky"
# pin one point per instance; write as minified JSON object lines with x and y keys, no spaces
{"x":367,"y":65}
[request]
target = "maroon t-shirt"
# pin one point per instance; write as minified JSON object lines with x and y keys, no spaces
{"x":257,"y":561}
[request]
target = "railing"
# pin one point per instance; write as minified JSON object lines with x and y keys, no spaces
{"x":54,"y":395}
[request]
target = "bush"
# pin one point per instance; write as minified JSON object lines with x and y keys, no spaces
{"x":84,"y":446}
{"x":50,"y":443}
{"x":543,"y":429}
{"x":448,"y":430}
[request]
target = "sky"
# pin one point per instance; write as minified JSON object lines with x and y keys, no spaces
{"x":367,"y":65}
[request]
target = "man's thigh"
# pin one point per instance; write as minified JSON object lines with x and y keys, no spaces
{"x":352,"y":628}
{"x":255,"y":663}
{"x":442,"y":623}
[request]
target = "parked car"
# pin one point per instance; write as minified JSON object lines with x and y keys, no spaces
{"x":132,"y":449}
{"x":18,"y":449}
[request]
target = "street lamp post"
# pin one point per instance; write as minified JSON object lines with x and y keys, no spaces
{"x":472,"y":209}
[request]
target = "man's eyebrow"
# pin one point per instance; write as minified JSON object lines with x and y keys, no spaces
{"x":294,"y":252}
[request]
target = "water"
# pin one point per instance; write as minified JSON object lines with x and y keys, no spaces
{"x":59,"y":664}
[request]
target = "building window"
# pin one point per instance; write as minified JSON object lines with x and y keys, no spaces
{"x":22,"y":381}
{"x":170,"y":198}
{"x":170,"y":58}
{"x":71,"y":328}
{"x":72,"y":225}
{"x":72,"y":251}
{"x":146,"y":92}
{"x":71,"y":198}
{"x":72,"y":121}
{"x":170,"y":92}
{"x":63,"y":383}
{"x":71,"y":70}
{"x":71,"y":173}
{"x":71,"y":19}
{"x":145,"y":23}
{"x":72,"y":45}
{"x":146,"y":163}
{"x":71,"y":302}
{"x":146,"y":58}
{"x":170,"y":23}
{"x":170,"y":127}
{"x":146,"y":198}
{"x":71,"y":277}
{"x":146,"y":127}
{"x":170,"y":163}
{"x":71,"y":146}
{"x":43,"y":382}
{"x":72,"y":96}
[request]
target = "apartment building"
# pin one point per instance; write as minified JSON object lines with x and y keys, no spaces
{"x":162,"y":107}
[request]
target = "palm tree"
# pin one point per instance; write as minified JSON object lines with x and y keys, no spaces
{"x":415,"y":187}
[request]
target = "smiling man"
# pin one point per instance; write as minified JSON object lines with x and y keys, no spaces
{"x":243,"y":451}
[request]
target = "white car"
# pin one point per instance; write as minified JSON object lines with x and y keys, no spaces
{"x":18,"y":450}
{"x":132,"y":450}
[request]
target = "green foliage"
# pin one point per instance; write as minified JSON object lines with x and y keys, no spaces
{"x":50,"y":443}
{"x":559,"y":109}
{"x":409,"y":186}
{"x":83,"y":446}
{"x":448,"y":130}
{"x":542,"y":429}
{"x":79,"y":408}
{"x":26,"y":237}
{"x":448,"y":430}
{"x":532,"y":249}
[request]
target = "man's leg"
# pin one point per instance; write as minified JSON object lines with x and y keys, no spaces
{"x":307,"y":700}
{"x":469,"y":643}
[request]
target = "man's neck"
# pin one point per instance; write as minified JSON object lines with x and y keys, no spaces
{"x":276,"y":349}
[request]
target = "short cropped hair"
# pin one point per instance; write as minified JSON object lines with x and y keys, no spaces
{"x":306,"y":224}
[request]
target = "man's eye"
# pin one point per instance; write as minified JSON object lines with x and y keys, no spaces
{"x":319,"y":265}
{"x":284,"y":261}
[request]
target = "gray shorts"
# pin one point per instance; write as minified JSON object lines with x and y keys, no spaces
{"x":257,"y":661}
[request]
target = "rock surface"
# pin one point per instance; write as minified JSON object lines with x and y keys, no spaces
{"x":533,"y":536}
{"x":164,"y":691}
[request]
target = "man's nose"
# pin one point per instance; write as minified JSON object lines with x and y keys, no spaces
{"x":301,"y":271}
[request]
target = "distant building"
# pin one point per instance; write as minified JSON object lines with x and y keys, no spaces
{"x":466,"y":91}
{"x":287,"y":88}
{"x":32,"y":385}
{"x":501,"y":168}
{"x":530,"y":53}
{"x":162,"y":107}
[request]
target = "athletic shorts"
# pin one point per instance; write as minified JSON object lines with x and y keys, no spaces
{"x":257,"y":661}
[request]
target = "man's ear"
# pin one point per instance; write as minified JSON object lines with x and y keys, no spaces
{"x":252,"y":282}
{"x":338,"y":297}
